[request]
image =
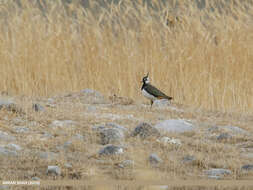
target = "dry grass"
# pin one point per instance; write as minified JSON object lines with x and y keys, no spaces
{"x":202,"y":57}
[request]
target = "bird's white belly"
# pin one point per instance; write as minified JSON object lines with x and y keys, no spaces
{"x":147,"y":95}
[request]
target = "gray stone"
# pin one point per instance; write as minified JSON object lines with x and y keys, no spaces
{"x":235,"y":130}
{"x":88,"y":91}
{"x":224,"y":136}
{"x":78,"y":137}
{"x":53,"y":170}
{"x":92,"y":97}
{"x":5,"y":103}
{"x":33,"y":124}
{"x":7,"y":152}
{"x":63,"y":123}
{"x":109,"y":126}
{"x":47,"y":135}
{"x":21,"y":129}
{"x":4,"y":187}
{"x":91,"y":108}
{"x":68,"y":165}
{"x":127,"y":164}
{"x":115,"y":126}
{"x":13,"y":146}
{"x":9,"y":105}
{"x":214,"y":177}
{"x":48,"y":155}
{"x":6,"y":137}
{"x":168,"y":140}
{"x":110,"y":136}
{"x":111,"y":150}
{"x":18,"y":121}
{"x":217,"y":172}
{"x":248,"y":167}
{"x":65,"y":145}
{"x":247,"y":155}
{"x":174,"y":125}
{"x":161,"y":103}
{"x":154,"y":159}
{"x":38,"y":108}
{"x":35,"y":178}
{"x":144,"y":130}
{"x":188,"y":159}
{"x":213,"y":129}
{"x":51,"y":100}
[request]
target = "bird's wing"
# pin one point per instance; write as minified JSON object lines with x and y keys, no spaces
{"x":156,"y":92}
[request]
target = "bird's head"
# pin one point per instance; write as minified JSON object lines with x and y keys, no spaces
{"x":145,"y":79}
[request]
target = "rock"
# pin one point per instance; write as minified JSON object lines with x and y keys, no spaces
{"x":224,"y":136}
{"x":92,"y":92}
{"x":5,"y":103}
{"x":92,"y":96}
{"x":247,"y":155}
{"x":63,"y":123}
{"x":13,"y":146}
{"x":91,"y":108}
{"x":213,"y":129}
{"x":248,"y":167}
{"x":2,"y":187}
{"x":7,"y":152}
{"x":154,"y":159}
{"x":234,"y":130}
{"x":110,"y":136}
{"x":167,"y":140}
{"x":38,"y":108}
{"x":33,"y":124}
{"x":144,"y":130}
{"x":110,"y":133}
{"x":161,"y":103}
{"x":65,"y":145}
{"x":48,"y":156}
{"x":115,"y":126}
{"x":174,"y":125}
{"x":19,"y":121}
{"x":109,"y":126}
{"x":78,"y":137}
{"x":21,"y":129}
{"x":214,"y":177}
{"x":111,"y":150}
{"x":188,"y":159}
{"x":6,"y":137}
{"x":10,"y":106}
{"x":217,"y":172}
{"x":68,"y":165}
{"x":126,"y":164}
{"x":46,"y":136}
{"x":162,"y":187}
{"x":35,"y":178}
{"x":54,"y":170}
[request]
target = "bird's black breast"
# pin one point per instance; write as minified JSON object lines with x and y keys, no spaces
{"x":143,"y":86}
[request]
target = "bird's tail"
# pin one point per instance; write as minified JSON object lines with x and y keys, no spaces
{"x":169,"y":98}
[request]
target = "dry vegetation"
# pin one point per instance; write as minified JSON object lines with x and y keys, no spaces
{"x":202,"y":56}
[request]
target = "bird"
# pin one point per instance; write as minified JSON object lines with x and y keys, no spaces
{"x":151,"y":92}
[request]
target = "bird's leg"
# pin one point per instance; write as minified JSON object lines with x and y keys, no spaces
{"x":151,"y":103}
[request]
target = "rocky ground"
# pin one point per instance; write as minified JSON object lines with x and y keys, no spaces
{"x":85,"y":135}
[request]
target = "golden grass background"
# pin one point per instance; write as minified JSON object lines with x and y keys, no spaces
{"x":199,"y":53}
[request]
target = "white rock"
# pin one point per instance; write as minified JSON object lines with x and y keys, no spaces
{"x":174,"y":125}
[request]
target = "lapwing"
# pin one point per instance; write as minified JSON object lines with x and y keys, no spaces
{"x":151,"y":92}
